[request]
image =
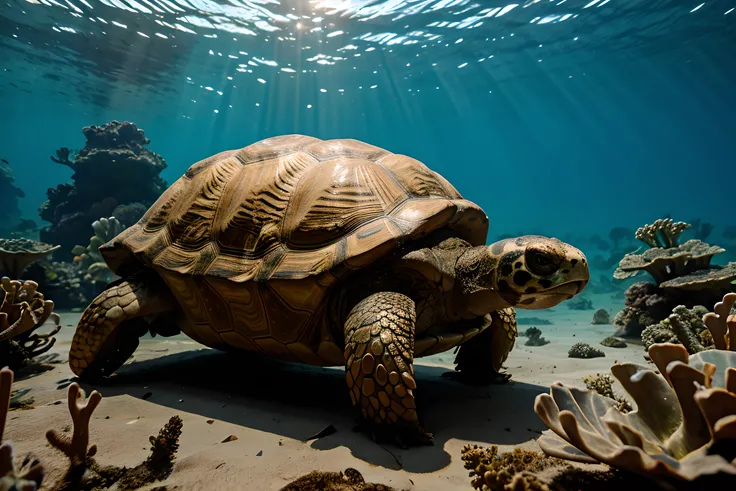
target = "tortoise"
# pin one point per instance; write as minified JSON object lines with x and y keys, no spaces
{"x":327,"y":253}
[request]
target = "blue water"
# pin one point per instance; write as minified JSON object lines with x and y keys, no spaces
{"x":564,"y":118}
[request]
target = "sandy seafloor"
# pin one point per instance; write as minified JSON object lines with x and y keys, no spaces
{"x":271,"y":407}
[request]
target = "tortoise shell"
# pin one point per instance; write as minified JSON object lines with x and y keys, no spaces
{"x":251,"y":240}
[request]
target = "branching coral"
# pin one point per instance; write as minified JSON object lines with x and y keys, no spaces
{"x":684,"y":425}
{"x":664,"y":232}
{"x":17,"y":254}
{"x":77,"y":447}
{"x":22,"y":311}
{"x":583,"y":350}
{"x":30,"y":475}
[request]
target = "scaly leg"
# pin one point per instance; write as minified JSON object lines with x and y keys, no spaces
{"x":379,"y":351}
{"x":101,"y":345}
{"x":480,"y":358}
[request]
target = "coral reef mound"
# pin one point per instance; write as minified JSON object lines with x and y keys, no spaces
{"x":583,"y":350}
{"x":113,"y":169}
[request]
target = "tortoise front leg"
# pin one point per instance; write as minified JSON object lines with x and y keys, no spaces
{"x":379,"y":351}
{"x":479,"y":359}
{"x":107,"y":333}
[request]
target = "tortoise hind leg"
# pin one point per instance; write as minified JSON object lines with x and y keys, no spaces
{"x":479,"y":360}
{"x":108,"y":332}
{"x":379,"y":351}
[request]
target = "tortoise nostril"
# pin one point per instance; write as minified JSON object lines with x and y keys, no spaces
{"x":574,"y":262}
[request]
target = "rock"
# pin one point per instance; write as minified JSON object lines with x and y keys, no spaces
{"x":614,"y":342}
{"x":601,"y":316}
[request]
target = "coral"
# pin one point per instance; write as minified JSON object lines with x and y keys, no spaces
{"x":63,"y":282}
{"x":113,"y":169}
{"x":666,"y":264}
{"x":86,"y":474}
{"x":89,"y":257}
{"x":22,"y":311}
{"x":17,"y":254}
{"x":350,"y":480}
{"x":30,"y":475}
{"x":683,"y":427}
{"x":77,"y":447}
{"x":603,"y":385}
{"x":721,"y":323}
{"x":645,"y":304}
{"x":664,"y":233}
{"x":535,"y":337}
{"x":579,"y":303}
{"x":601,"y":316}
{"x":583,"y":350}
{"x":682,"y":326}
{"x":522,"y":470}
{"x":715,"y":278}
{"x":613,"y":342}
{"x":491,"y":471}
{"x":9,"y":194}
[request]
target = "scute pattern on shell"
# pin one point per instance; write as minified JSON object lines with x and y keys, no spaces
{"x":291,"y":207}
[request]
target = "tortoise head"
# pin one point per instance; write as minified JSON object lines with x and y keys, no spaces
{"x":529,"y":272}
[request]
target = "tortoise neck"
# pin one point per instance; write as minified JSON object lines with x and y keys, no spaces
{"x":482,"y":302}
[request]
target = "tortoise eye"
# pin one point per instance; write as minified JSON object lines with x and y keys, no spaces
{"x":541,"y":263}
